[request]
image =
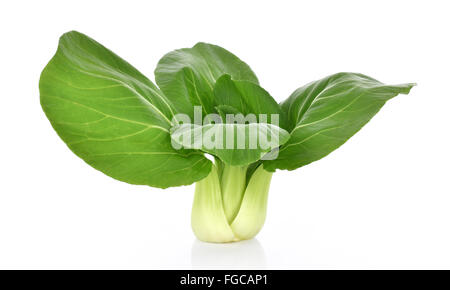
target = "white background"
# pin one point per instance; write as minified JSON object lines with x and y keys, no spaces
{"x":380,"y":201}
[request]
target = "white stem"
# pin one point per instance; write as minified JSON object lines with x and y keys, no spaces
{"x":223,"y":212}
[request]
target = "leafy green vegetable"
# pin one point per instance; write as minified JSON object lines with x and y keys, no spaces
{"x":113,"y":117}
{"x":212,"y":139}
{"x":326,"y":113}
{"x":187,"y":76}
{"x":245,"y":97}
{"x":207,"y":101}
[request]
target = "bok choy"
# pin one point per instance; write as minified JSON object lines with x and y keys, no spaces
{"x":206,"y":121}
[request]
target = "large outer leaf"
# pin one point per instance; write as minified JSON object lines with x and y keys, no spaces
{"x":326,"y":113}
{"x":113,"y":117}
{"x":247,"y":98}
{"x":239,"y":153}
{"x":187,"y":76}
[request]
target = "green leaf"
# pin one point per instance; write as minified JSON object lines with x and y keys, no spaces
{"x":113,"y":117}
{"x":225,"y":110}
{"x":326,"y":113}
{"x":234,"y":144}
{"x":247,"y":98}
{"x":187,"y":76}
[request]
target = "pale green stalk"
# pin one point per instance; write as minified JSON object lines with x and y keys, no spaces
{"x":252,"y":212}
{"x":233,"y":186}
{"x":226,"y":209}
